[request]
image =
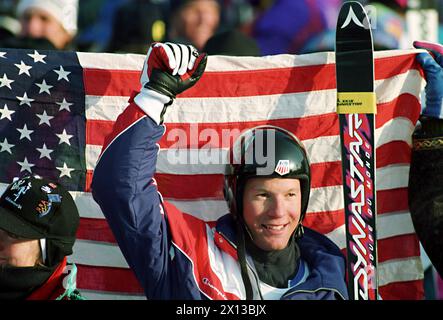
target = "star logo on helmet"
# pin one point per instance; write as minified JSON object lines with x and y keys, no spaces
{"x":282,"y":167}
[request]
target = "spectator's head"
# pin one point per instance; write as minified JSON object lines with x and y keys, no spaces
{"x":194,"y":21}
{"x":232,"y":43}
{"x":54,"y":20}
{"x":38,"y":223}
{"x":136,"y":25}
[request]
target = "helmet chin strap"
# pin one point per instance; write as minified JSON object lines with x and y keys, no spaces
{"x":246,"y":228}
{"x":299,"y":231}
{"x":241,"y":252}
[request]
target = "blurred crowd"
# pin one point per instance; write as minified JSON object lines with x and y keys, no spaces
{"x":234,"y":27}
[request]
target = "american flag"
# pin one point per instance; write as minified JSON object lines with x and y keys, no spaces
{"x":57,"y":107}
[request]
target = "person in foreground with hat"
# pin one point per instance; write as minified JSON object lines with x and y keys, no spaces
{"x":259,"y":250}
{"x":38,"y":224}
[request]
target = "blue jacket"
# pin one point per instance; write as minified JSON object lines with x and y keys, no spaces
{"x":176,"y":255}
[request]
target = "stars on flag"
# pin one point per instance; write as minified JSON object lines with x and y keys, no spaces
{"x":44,"y":87}
{"x":64,"y":105}
{"x":25,"y":165}
{"x":35,"y":135}
{"x":45,"y":152}
{"x":62,"y":74}
{"x":5,"y":82}
{"x":6,"y":113}
{"x":5,"y":146}
{"x":23,"y":68}
{"x":64,"y":137}
{"x":65,"y":170}
{"x":25,"y":133}
{"x":37,"y":57}
{"x":25,"y":100}
{"x":44,"y":118}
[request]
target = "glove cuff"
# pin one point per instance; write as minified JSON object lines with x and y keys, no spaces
{"x":152,"y":103}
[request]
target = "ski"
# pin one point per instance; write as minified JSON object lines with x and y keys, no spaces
{"x":356,"y":108}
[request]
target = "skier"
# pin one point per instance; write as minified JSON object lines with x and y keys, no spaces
{"x":259,"y":250}
{"x":38,"y":223}
{"x":426,"y":174}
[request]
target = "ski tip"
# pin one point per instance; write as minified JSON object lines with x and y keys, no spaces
{"x":353,"y":15}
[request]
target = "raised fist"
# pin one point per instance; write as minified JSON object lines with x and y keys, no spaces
{"x":172,"y":68}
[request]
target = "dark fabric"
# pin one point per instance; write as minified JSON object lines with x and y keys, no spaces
{"x":426,"y":188}
{"x":136,"y":25}
{"x":278,"y":267}
{"x":26,"y":43}
{"x":34,"y":43}
{"x":428,"y":128}
{"x":231,"y":43}
{"x":19,"y":282}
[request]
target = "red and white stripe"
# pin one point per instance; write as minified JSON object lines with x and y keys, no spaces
{"x":293,"y":92}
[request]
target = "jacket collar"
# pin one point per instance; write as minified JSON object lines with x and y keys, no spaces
{"x":326,"y":263}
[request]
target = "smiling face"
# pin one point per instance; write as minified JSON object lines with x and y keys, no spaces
{"x":271,"y":210}
{"x":18,"y":252}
